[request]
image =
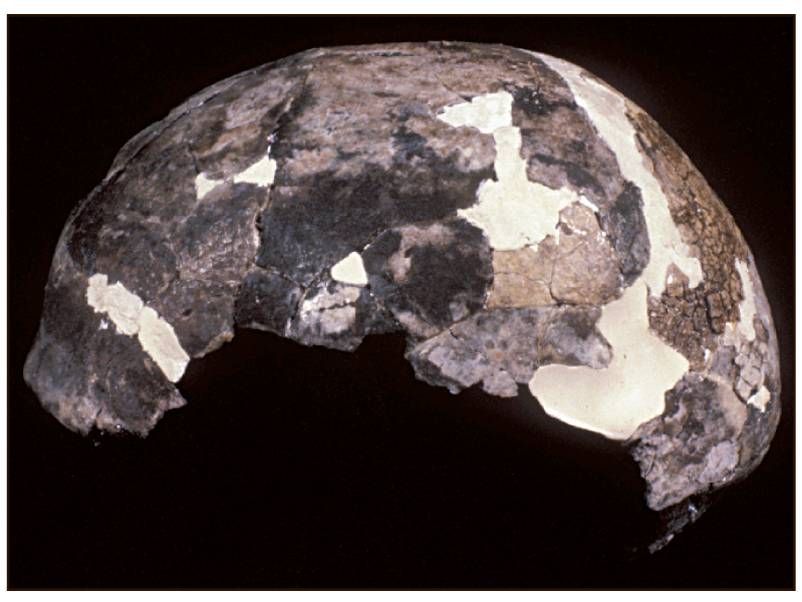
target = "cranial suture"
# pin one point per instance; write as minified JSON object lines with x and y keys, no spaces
{"x":519,"y":220}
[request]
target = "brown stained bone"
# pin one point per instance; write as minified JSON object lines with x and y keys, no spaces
{"x":579,"y":269}
{"x":522,"y":278}
{"x":707,"y":227}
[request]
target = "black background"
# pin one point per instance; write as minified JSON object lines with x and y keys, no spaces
{"x":309,"y":468}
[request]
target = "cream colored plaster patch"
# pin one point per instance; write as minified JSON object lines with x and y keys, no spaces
{"x":204,"y":185}
{"x":158,"y":339}
{"x":350,"y":270}
{"x":262,"y":173}
{"x":122,"y":306}
{"x":730,"y":336}
{"x":746,"y":324}
{"x":486,"y":113}
{"x":511,"y":210}
{"x":617,"y":399}
{"x":132,"y":317}
{"x":760,"y":399}
{"x":607,"y":110}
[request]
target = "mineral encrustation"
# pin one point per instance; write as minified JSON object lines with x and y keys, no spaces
{"x":521,"y":221}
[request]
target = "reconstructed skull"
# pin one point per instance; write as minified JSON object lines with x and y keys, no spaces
{"x":519,"y":220}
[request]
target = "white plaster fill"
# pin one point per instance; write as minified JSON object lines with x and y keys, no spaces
{"x":350,"y":270}
{"x":159,"y":341}
{"x":746,"y":324}
{"x":607,"y":110}
{"x":760,"y":399}
{"x":122,"y":306}
{"x":511,"y":210}
{"x":132,"y":317}
{"x":590,"y":205}
{"x":617,"y":399}
{"x":262,"y":173}
{"x":204,"y":185}
{"x":486,"y":113}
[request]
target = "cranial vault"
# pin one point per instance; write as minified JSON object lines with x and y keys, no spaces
{"x":523,"y":223}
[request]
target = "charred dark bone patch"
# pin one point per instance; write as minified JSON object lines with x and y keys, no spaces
{"x":410,"y":145}
{"x":317,"y":217}
{"x":583,"y":150}
{"x":626,"y":228}
{"x":310,"y":228}
{"x":152,"y":190}
{"x":535,"y":102}
{"x":239,"y":125}
{"x":200,"y":312}
{"x":577,"y":175}
{"x":188,"y":270}
{"x":156,"y":262}
{"x":267,"y":300}
{"x":219,"y":236}
{"x":443,"y":277}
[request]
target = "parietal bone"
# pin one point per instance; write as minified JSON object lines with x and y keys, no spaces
{"x":522,"y":222}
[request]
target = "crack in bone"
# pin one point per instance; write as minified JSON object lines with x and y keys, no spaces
{"x":330,"y":312}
